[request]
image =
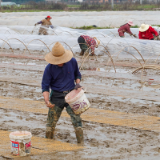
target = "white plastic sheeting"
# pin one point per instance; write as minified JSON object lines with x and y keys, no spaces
{"x":77,"y":19}
{"x":111,"y":43}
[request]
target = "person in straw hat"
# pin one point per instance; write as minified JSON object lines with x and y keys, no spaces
{"x":126,"y":28}
{"x":45,"y":23}
{"x":86,"y":42}
{"x":61,"y":75}
{"x":147,"y":32}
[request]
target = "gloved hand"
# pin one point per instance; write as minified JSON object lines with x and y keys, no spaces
{"x":77,"y":86}
{"x":52,"y":26}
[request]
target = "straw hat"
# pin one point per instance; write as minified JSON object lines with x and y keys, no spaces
{"x":58,"y":55}
{"x":97,"y":41}
{"x":144,"y":27}
{"x":130,"y":23}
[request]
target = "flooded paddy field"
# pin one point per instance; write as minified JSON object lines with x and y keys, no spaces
{"x":119,"y":94}
{"x":121,"y":82}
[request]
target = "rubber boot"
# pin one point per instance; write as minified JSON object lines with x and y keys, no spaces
{"x":79,"y":135}
{"x":49,"y":133}
{"x":82,"y":53}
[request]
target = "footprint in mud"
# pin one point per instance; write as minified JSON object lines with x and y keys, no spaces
{"x":30,"y":119}
{"x":19,"y":117}
{"x":144,"y":107}
{"x":157,"y":149}
{"x":7,"y":115}
{"x":10,"y":121}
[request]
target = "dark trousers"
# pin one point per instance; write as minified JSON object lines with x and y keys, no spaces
{"x":54,"y":113}
{"x":82,"y":44}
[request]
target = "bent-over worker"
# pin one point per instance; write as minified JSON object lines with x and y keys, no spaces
{"x":147,"y":32}
{"x":45,"y":23}
{"x":126,"y":28}
{"x":60,"y":76}
{"x":87,"y":42}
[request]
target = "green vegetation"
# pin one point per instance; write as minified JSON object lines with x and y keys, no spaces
{"x":34,"y":6}
{"x":22,"y":1}
{"x":136,"y":26}
{"x":92,"y":27}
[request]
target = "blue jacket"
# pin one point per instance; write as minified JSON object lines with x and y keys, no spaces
{"x":61,"y":78}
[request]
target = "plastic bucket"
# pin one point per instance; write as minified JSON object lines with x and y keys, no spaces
{"x":20,"y":143}
{"x":77,"y":101}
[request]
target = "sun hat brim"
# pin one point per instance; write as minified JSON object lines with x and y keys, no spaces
{"x":97,"y":41}
{"x":144,"y":29}
{"x":66,"y":57}
{"x":131,"y":24}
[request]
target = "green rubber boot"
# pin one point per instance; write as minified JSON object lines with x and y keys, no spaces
{"x":49,"y":133}
{"x":79,"y":135}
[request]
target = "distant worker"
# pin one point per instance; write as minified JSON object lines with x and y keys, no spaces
{"x":147,"y":32}
{"x":86,"y":43}
{"x":126,"y":28}
{"x":45,"y":23}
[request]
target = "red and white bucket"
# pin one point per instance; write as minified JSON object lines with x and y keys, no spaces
{"x":20,"y":143}
{"x":77,"y":101}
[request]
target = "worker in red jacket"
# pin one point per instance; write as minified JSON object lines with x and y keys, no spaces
{"x":146,"y":32}
{"x":126,"y":28}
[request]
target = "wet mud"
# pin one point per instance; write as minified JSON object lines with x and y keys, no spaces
{"x":102,"y":141}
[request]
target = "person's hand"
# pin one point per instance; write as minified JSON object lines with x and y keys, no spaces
{"x":77,"y":86}
{"x":49,"y":104}
{"x":134,"y":35}
{"x":35,"y":24}
{"x":156,"y":38}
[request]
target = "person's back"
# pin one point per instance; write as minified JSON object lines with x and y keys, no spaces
{"x":147,"y":32}
{"x":126,"y":28}
{"x":46,"y":23}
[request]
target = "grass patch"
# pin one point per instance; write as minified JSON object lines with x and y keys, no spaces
{"x":94,"y":27}
{"x":136,"y":26}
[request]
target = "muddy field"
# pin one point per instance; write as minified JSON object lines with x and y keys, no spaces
{"x":120,"y":93}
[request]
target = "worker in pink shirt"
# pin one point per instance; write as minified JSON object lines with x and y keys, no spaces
{"x":86,"y":42}
{"x":126,"y":28}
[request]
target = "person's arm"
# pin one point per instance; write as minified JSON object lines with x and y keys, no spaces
{"x":129,"y":30}
{"x":153,"y":31}
{"x":92,"y":44}
{"x":40,"y":22}
{"x":46,"y":84}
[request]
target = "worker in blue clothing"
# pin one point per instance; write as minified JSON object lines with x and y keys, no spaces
{"x":61,"y":75}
